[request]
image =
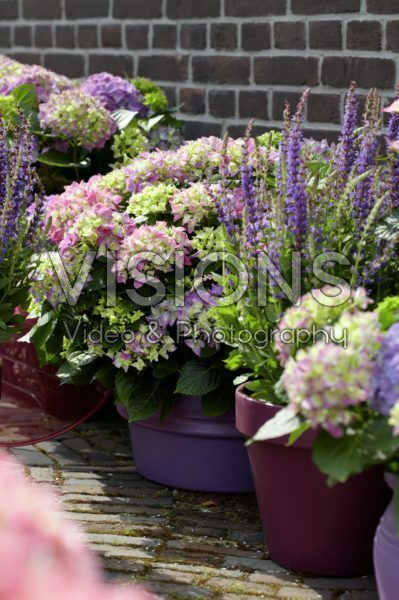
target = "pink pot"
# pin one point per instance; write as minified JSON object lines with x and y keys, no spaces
{"x":309,"y":526}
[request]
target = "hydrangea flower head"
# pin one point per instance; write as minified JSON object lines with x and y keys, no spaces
{"x":154,"y":97}
{"x":319,"y":308}
{"x":153,"y":200}
{"x":152,"y":248}
{"x":66,"y":208}
{"x":46,"y":82}
{"x":192,"y":205}
{"x":114,"y":92}
{"x":79,"y":117}
{"x":165,"y":137}
{"x":386,"y":373}
{"x":325,"y":380}
{"x":129,"y":143}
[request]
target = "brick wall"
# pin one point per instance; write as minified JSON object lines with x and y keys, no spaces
{"x":223,"y":60}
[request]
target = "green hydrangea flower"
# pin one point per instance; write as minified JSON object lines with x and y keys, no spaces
{"x":115,"y":181}
{"x":128,"y":143}
{"x":209,"y":239}
{"x":270,"y":139}
{"x":388,"y":310}
{"x":154,"y":97}
{"x":153,"y":200}
{"x":8,"y":109}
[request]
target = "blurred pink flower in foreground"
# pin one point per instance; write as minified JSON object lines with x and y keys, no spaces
{"x":41,"y":553}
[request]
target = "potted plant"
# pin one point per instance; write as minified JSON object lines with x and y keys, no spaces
{"x":325,"y":221}
{"x":82,"y":127}
{"x":139,"y":321}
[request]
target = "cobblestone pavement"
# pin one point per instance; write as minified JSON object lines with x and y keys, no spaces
{"x":184,"y":545}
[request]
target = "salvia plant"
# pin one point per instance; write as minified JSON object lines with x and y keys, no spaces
{"x":311,"y":217}
{"x":21,"y":233}
{"x":328,"y":354}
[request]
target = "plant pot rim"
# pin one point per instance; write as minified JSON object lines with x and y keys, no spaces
{"x":391,"y":479}
{"x":251,"y":414}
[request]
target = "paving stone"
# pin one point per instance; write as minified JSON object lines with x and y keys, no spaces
{"x":32,"y":457}
{"x":118,"y":508}
{"x":109,"y":518}
{"x":122,"y":552}
{"x":171,"y":575}
{"x":122,"y":565}
{"x":183,"y":544}
{"x":227,"y":585}
{"x":253,"y":564}
{"x":42,"y":474}
{"x":290,"y":593}
{"x":116,"y":499}
{"x":180,"y":592}
{"x":361,"y":583}
{"x":277,"y":578}
{"x":122,"y":540}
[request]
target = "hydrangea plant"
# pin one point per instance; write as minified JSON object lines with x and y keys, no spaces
{"x":131,"y":311}
{"x":83,"y":127}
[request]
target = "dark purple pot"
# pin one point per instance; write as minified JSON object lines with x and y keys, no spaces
{"x":309,"y":526}
{"x":191,"y":451}
{"x":386,"y":552}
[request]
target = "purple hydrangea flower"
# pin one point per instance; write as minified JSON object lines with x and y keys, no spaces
{"x":46,"y":82}
{"x":386,"y":374}
{"x":114,"y":92}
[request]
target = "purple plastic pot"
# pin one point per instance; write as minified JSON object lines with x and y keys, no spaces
{"x":191,"y":451}
{"x":308,"y":526}
{"x":386,"y":552}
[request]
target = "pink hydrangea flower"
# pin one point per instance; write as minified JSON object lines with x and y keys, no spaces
{"x":40,"y":550}
{"x":152,"y":248}
{"x":65,"y":209}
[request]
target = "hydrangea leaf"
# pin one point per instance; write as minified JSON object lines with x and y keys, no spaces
{"x":198,"y":377}
{"x":283,"y":423}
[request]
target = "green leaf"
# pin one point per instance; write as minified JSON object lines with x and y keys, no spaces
{"x":123,"y":117}
{"x":105,"y":375}
{"x":241,"y":379}
{"x":219,"y":401}
{"x":67,"y":372}
{"x":198,"y":377}
{"x":25,"y":96}
{"x":6,"y":335}
{"x":54,"y":158}
{"x":339,"y":458}
{"x":388,"y":228}
{"x":295,"y":435}
{"x":81,"y":359}
{"x":151,"y":123}
{"x":165,"y":369}
{"x":142,"y":397}
{"x":283,"y":423}
{"x":42,"y":330}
